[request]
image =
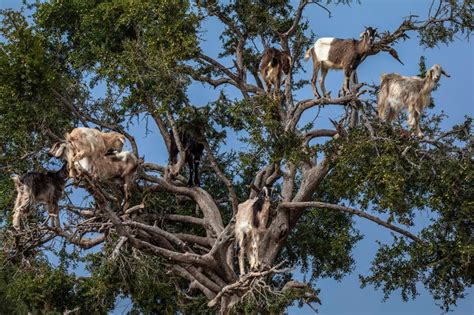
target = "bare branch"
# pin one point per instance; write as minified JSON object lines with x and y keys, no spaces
{"x":296,"y":20}
{"x":324,"y":205}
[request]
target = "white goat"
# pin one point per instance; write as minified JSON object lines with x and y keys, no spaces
{"x":90,"y":144}
{"x":250,"y":226}
{"x":413,"y":93}
{"x":334,"y":53}
{"x":119,"y":168}
{"x":35,"y":187}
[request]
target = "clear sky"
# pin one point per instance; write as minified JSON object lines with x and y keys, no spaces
{"x":454,"y":97}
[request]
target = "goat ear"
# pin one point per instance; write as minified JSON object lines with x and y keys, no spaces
{"x":429,"y":74}
{"x":54,"y":151}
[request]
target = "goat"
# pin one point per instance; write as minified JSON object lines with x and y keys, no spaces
{"x":193,"y":151}
{"x":35,"y":187}
{"x":118,"y":167}
{"x":90,"y":144}
{"x":413,"y":93}
{"x":334,"y":53}
{"x":250,"y":226}
{"x":272,"y":64}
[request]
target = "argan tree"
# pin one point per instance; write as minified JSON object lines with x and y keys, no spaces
{"x":174,"y":248}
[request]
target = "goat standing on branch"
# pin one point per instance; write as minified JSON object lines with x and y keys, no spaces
{"x":272,"y":64}
{"x":413,"y":93}
{"x":119,"y":167}
{"x":35,"y":187}
{"x":334,"y":53}
{"x":90,"y":144}
{"x":250,"y":226}
{"x":192,"y":151}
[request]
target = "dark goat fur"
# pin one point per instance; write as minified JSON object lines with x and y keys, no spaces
{"x":257,"y":206}
{"x":193,"y":151}
{"x":35,"y":187}
{"x":272,"y":64}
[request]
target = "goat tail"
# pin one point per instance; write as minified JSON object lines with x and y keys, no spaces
{"x":308,"y":54}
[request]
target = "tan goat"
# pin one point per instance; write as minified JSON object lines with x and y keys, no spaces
{"x":118,"y":168}
{"x":90,"y":144}
{"x":413,"y":93}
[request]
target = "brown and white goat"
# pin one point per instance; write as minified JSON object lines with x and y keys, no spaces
{"x":250,"y":226}
{"x":39,"y":188}
{"x":273,"y":65}
{"x":90,"y":144}
{"x":334,"y":53}
{"x":413,"y":93}
{"x":119,"y":167}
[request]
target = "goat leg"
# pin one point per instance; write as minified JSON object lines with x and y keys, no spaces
{"x":322,"y":78}
{"x":242,"y":248}
{"x":276,"y":90}
{"x":315,"y":78}
{"x":197,"y":181}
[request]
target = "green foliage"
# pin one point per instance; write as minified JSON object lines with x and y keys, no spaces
{"x":328,"y":232}
{"x":29,"y":69}
{"x":380,"y":173}
{"x":39,"y":287}
{"x":455,"y":18}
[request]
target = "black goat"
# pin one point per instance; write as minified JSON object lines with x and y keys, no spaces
{"x":192,"y":152}
{"x":35,"y":187}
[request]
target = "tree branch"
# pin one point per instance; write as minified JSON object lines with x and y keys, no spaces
{"x":324,"y":205}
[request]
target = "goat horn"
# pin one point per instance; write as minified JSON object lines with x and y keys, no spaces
{"x":443,"y":72}
{"x":394,"y":54}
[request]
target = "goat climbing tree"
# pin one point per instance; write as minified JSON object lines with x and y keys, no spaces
{"x":174,"y":248}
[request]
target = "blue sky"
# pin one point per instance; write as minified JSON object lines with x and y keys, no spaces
{"x":454,"y":97}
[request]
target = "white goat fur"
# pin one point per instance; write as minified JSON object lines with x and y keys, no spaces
{"x":250,"y":226}
{"x":413,"y":93}
{"x":90,"y":144}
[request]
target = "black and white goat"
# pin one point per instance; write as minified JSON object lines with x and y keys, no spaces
{"x":39,"y":188}
{"x":273,"y":65}
{"x":118,"y":168}
{"x":250,"y":226}
{"x":334,"y":53}
{"x":193,"y":151}
{"x":413,"y":93}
